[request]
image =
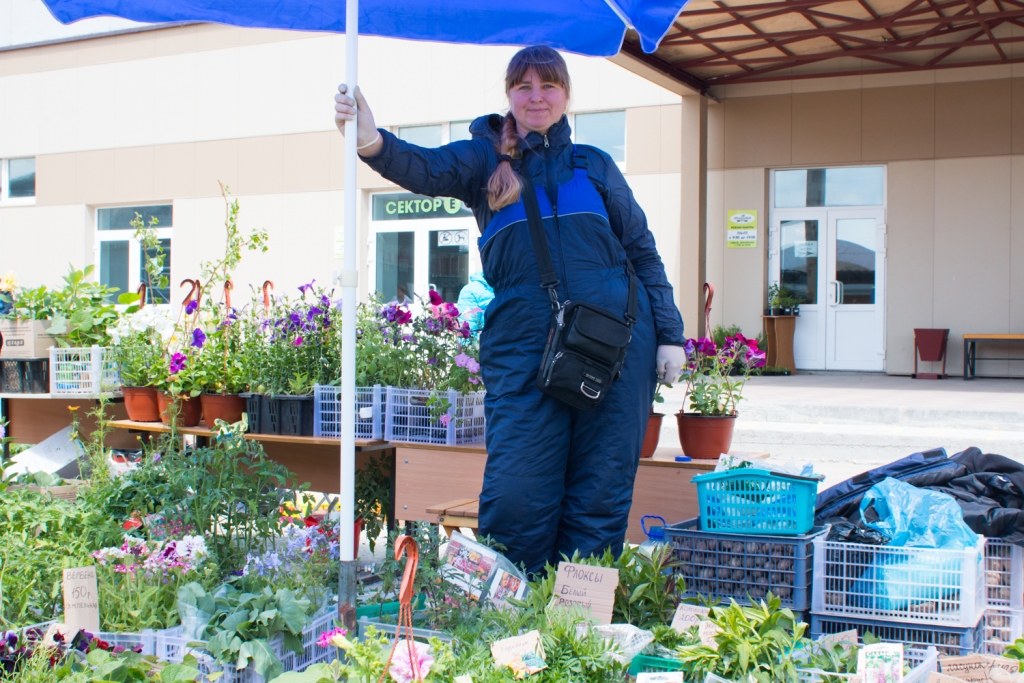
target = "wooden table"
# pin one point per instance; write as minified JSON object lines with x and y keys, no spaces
{"x":971,"y":342}
{"x":780,"y":329}
{"x":32,"y":418}
{"x":435,"y":482}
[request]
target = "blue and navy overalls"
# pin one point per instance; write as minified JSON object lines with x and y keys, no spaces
{"x":557,"y":479}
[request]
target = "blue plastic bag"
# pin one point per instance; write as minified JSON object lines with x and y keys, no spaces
{"x":916,"y":518}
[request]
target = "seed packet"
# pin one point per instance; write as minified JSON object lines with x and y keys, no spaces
{"x":881,"y":663}
{"x":526,"y":664}
{"x":468,"y":564}
{"x":506,"y":585}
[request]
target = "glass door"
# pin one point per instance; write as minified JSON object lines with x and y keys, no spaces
{"x":796,"y":263}
{"x":424,"y":255}
{"x":855,"y":327}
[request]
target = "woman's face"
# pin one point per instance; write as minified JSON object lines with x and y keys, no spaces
{"x":536,"y":105}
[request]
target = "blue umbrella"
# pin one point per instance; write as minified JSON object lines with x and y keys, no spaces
{"x":589,"y":27}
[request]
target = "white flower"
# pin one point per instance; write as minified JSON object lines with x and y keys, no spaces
{"x":193,"y":548}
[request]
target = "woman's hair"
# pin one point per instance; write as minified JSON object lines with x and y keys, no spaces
{"x":504,"y":186}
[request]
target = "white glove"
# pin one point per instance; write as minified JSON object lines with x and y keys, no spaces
{"x":670,"y":361}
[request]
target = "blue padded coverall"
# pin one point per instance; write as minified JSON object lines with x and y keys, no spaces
{"x":557,"y":479}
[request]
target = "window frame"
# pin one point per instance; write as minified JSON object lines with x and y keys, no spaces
{"x":571,"y":117}
{"x":134,"y":248}
{"x":772,"y":170}
{"x":5,"y":177}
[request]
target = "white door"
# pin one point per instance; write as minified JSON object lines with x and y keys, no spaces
{"x":422,"y":255}
{"x":833,"y":261}
{"x":855,"y":291}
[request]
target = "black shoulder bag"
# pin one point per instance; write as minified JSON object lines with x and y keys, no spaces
{"x":586,"y":344}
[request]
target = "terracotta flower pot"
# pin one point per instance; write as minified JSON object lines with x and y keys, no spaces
{"x":227,"y":407}
{"x":705,"y":437}
{"x":141,"y":404}
{"x":189,"y":414}
{"x":651,"y":435}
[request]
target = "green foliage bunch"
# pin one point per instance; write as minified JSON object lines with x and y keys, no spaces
{"x":55,"y":665}
{"x":385,"y":352}
{"x":137,"y":345}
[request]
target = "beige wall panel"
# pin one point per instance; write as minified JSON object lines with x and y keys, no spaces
{"x":671,"y":138}
{"x":716,"y":137}
{"x":739,"y":294}
{"x":216,"y":37}
{"x":175,"y":41}
{"x":972,"y":118}
{"x":97,"y":51}
{"x":1017,"y":110}
{"x":910,"y":267}
{"x":306,"y":166}
{"x":56,"y":179}
{"x":95,"y":173}
{"x":133,"y":174}
{"x":216,"y":160}
{"x":826,"y":127}
{"x":174,"y":170}
{"x":1017,"y":256}
{"x":972,"y":250}
{"x":898,"y":123}
{"x":758,"y":132}
{"x":643,"y":140}
{"x":260,"y":162}
{"x":132,"y":46}
{"x":716,"y":248}
{"x":38,"y":242}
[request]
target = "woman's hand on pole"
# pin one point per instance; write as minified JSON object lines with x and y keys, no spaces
{"x":368,"y":137}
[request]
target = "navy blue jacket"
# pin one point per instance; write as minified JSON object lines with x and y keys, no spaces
{"x":461,"y":170}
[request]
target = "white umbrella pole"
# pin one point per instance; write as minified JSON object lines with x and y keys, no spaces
{"x":349,"y":284}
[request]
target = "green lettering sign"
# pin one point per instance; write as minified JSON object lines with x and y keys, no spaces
{"x":404,"y":206}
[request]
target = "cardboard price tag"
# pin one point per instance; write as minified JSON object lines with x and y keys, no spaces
{"x":689,"y":615}
{"x":81,"y":599}
{"x":508,"y":649}
{"x":976,"y":667}
{"x":590,"y":587}
{"x":707,"y":632}
{"x":845,"y":638}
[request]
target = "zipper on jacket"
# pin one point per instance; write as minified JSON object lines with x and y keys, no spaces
{"x":546,"y":145}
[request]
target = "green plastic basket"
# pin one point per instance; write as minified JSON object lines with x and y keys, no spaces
{"x":646,"y":663}
{"x":753,"y":501}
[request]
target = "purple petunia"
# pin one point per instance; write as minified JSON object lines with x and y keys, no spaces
{"x":191,"y":307}
{"x":435,"y":298}
{"x":198,"y":338}
{"x":706,"y":346}
{"x":297,"y":342}
{"x":177,"y":363}
{"x":306,"y":287}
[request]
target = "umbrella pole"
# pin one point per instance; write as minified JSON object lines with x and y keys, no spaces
{"x":349,"y":285}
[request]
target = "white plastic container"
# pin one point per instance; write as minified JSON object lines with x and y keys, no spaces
{"x":410,"y":418}
{"x":83,"y":372}
{"x":1002,"y":628}
{"x":371,"y":406}
{"x":910,"y":585}
{"x":1004,"y":574}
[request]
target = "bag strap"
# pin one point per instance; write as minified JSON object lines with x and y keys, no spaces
{"x":548,"y":280}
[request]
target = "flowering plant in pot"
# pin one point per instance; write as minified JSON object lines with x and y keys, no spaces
{"x":452,"y":355}
{"x":712,"y":394}
{"x":181,"y":377}
{"x":137,"y":343}
{"x":653,"y":433}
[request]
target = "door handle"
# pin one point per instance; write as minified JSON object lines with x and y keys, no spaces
{"x":835,"y":292}
{"x":841,"y":293}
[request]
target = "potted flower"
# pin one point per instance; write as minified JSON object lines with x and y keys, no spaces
{"x":706,"y":431}
{"x":181,"y":376}
{"x":222,"y":365}
{"x":137,"y":348}
{"x":653,"y":433}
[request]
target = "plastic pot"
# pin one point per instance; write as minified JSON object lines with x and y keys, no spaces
{"x":652,"y":434}
{"x":141,"y":404}
{"x":296,"y":415}
{"x":705,"y":437}
{"x":227,"y":407}
{"x":189,"y":414}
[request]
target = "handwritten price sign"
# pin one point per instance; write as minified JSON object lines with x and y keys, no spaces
{"x":81,"y":602}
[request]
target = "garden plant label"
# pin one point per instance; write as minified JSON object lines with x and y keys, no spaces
{"x":689,"y":615}
{"x":508,"y":649}
{"x":592,"y":588}
{"x":81,"y":601}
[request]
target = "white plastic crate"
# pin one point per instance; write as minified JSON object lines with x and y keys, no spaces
{"x":172,"y":646}
{"x":1002,"y":628}
{"x":911,"y":585}
{"x":1004,"y":565}
{"x":409,"y":417}
{"x":146,"y":638}
{"x":83,"y":371}
{"x":923,"y":662}
{"x":371,"y":404}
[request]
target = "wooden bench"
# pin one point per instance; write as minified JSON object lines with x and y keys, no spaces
{"x":456,"y":514}
{"x":971,"y":342}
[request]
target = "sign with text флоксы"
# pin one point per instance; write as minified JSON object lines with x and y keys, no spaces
{"x":592,"y":588}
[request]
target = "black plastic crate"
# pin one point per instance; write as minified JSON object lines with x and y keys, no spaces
{"x":948,"y":640}
{"x":29,"y":376}
{"x":296,"y":415}
{"x":744,"y":567}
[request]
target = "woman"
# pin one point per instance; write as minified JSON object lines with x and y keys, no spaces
{"x":558,"y":479}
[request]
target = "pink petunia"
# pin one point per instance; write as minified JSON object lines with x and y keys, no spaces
{"x":407,"y":667}
{"x":445,"y":419}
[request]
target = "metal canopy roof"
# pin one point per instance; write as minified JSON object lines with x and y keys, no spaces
{"x":717,"y":42}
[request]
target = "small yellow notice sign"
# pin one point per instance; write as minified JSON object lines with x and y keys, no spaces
{"x":741,"y":232}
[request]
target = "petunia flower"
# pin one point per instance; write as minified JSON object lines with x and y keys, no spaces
{"x":177,"y":363}
{"x":445,"y":419}
{"x":198,"y":338}
{"x":435,"y":298}
{"x":306,"y":287}
{"x":327,"y":639}
{"x":407,"y":666}
{"x":190,"y":307}
{"x":297,"y":342}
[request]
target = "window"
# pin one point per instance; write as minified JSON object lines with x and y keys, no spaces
{"x":121,"y":261}
{"x":424,"y":136}
{"x":18,"y":180}
{"x":459,"y":130}
{"x":844,"y":186}
{"x":605,"y":130}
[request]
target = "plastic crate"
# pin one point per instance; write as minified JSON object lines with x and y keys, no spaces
{"x":371,"y":406}
{"x":1002,"y":628}
{"x":923,"y":662}
{"x":744,"y":566}
{"x":146,"y":638}
{"x":409,"y":419}
{"x":753,"y":501}
{"x":172,"y":646}
{"x":82,"y":371}
{"x":25,"y":376}
{"x":296,"y":415}
{"x":646,"y":664}
{"x":264,"y":413}
{"x":391,"y":629}
{"x":948,"y":640}
{"x":1004,"y":579}
{"x":916,"y":585}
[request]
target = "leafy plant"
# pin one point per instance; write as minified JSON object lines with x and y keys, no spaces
{"x":373,"y":497}
{"x":154,"y":257}
{"x":1016,"y":651}
{"x":138,"y":340}
{"x":707,"y":373}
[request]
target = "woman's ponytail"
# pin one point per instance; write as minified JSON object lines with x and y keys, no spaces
{"x":504,"y":185}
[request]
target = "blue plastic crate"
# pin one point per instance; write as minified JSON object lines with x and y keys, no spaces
{"x":754,"y":501}
{"x":949,"y":641}
{"x":744,"y":567}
